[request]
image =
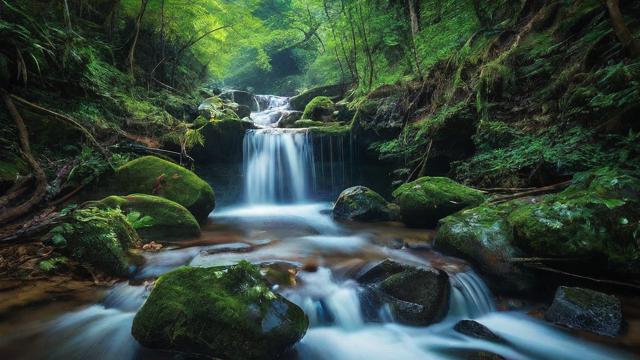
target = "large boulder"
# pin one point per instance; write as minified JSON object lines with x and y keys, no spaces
{"x":425,"y":201}
{"x":483,"y":236}
{"x":321,"y":108}
{"x":597,"y":217}
{"x":168,"y":219}
{"x":154,"y":176}
{"x":220,"y":312}
{"x":379,"y":118}
{"x":360,"y":203}
{"x":585,"y":309}
{"x":241,"y":98}
{"x":97,"y":238}
{"x":415,"y":295}
{"x":335,"y":92}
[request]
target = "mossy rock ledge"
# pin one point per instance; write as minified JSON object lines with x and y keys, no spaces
{"x":219,"y":312}
{"x":154,"y":176}
{"x":170,"y":220}
{"x":321,"y":109}
{"x":359,"y":203}
{"x":428,"y":199}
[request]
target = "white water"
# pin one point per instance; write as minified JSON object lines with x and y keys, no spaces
{"x":278,"y":166}
{"x":279,"y":225}
{"x":271,"y":110}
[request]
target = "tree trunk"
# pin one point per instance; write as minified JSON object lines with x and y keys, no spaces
{"x":414,"y":16}
{"x":9,"y":214}
{"x":132,"y":50}
{"x":623,"y":33}
{"x":367,"y":47}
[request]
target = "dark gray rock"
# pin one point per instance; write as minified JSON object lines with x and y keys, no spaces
{"x":335,"y":92}
{"x":241,"y":98}
{"x":415,"y":295}
{"x":476,"y":330}
{"x":584,"y":309}
{"x":360,"y":203}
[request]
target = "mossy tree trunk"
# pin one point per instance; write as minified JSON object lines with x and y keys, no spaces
{"x":132,"y":50}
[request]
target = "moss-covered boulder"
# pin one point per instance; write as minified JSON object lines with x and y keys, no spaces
{"x":241,"y":98}
{"x":415,"y":295}
{"x":585,"y":309}
{"x":168,"y":219}
{"x":425,"y":201}
{"x":335,"y":92}
{"x":98,"y":238}
{"x":597,"y":217}
{"x":483,"y":236}
{"x":154,"y":176}
{"x":288,"y":118}
{"x":360,"y":203}
{"x":227,"y":313}
{"x":320,"y":108}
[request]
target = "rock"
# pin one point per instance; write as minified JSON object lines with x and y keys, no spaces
{"x":100,"y":239}
{"x":343,"y":112}
{"x":378,"y":119}
{"x":585,"y":309}
{"x":169,"y":219}
{"x":334,"y":92}
{"x":476,"y":330}
{"x":595,"y":218}
{"x":289,"y":118}
{"x":305,"y":123}
{"x":415,"y":295}
{"x":210,"y":106}
{"x":243,"y":111}
{"x":222,"y":141}
{"x":223,"y":312}
{"x":321,"y":108}
{"x":360,"y":203}
{"x":154,"y":176}
{"x":241,"y":98}
{"x":425,"y":201}
{"x":483,"y":236}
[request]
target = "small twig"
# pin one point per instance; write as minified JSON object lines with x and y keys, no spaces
{"x":583,"y":277}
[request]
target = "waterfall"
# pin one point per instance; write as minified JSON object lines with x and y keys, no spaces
{"x":271,"y":109}
{"x":278,"y":166}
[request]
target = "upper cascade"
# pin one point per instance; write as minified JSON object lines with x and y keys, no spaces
{"x":271,"y":110}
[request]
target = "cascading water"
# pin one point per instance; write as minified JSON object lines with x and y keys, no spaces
{"x":278,"y":166}
{"x":271,"y":109}
{"x":278,"y":224}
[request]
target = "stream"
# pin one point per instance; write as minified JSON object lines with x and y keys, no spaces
{"x":280,"y":223}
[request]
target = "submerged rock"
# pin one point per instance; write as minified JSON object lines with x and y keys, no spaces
{"x":224,"y":312}
{"x":425,"y":201}
{"x":100,"y":239}
{"x":321,"y":108}
{"x":414,"y":295}
{"x":476,"y":330}
{"x":168,"y":219}
{"x":154,"y":176}
{"x":585,"y":309}
{"x":360,"y":203}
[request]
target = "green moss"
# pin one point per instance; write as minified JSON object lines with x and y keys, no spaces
{"x":425,"y":201}
{"x":154,"y":176}
{"x":9,"y":170}
{"x":598,"y":215}
{"x":332,"y":129}
{"x":360,"y":203}
{"x":320,"y":108}
{"x":169,"y":219}
{"x":99,"y":238}
{"x":221,"y":312}
{"x":52,"y":264}
{"x":307,"y":123}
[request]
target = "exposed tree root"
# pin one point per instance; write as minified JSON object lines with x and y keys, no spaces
{"x":67,"y":119}
{"x":623,"y":284}
{"x":536,"y":191}
{"x":41,"y":179}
